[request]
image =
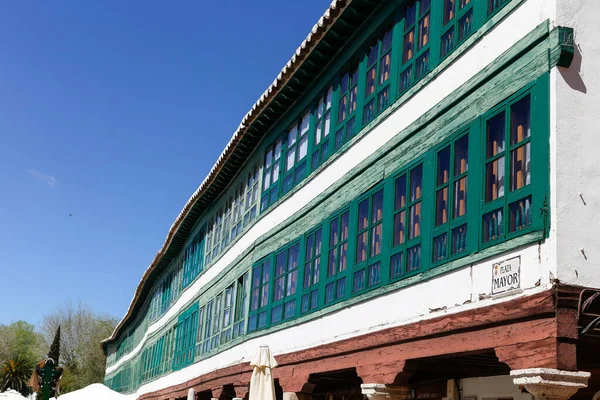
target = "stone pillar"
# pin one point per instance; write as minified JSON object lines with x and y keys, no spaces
{"x":550,"y":384}
{"x":191,"y":395}
{"x":380,"y":391}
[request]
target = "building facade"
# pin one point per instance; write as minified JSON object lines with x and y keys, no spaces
{"x":406,"y":212}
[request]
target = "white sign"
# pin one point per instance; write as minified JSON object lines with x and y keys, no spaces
{"x":506,"y":275}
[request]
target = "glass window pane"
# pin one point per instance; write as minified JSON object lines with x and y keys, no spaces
{"x":399,"y":220}
{"x":328,"y":98}
{"x":424,"y":31}
{"x":331,"y":270}
{"x":291,"y":158}
{"x":415,"y":221}
{"x":307,"y":275}
{"x":461,"y":156}
{"x":386,"y":43}
{"x":373,"y":53}
{"x":303,"y":147}
{"x":495,"y":135}
{"x":363,"y":214}
{"x":494,"y":187}
{"x":440,"y":247}
{"x":493,"y":226}
{"x":361,"y":247}
{"x":443,"y":173}
{"x":333,"y":232}
{"x":409,"y":45}
{"x":376,"y":233}
{"x":292,"y":280}
{"x":520,"y":215}
{"x":460,"y":198}
{"x":448,"y":10}
{"x":447,"y":42}
{"x":422,"y":64}
{"x":275,"y":172}
{"x":280,"y":264}
{"x":384,"y":68}
{"x":344,"y":230}
{"x":359,"y":281}
{"x":269,"y":158}
{"x":413,"y":256}
{"x":520,"y":128}
{"x":424,"y":6}
{"x":411,"y":15}
{"x":374,"y":274}
{"x":304,"y":123}
{"x":465,"y":25}
{"x":396,"y":269}
{"x":342,"y":109}
{"x":316,"y":271}
{"x":520,"y":168}
{"x":343,"y":257}
{"x":416,"y":180}
{"x":369,"y":111}
{"x":293,"y":257}
{"x":383,"y":99}
{"x":327,"y":127}
{"x":459,"y":239}
{"x":406,"y":79}
{"x":441,"y":208}
{"x":377,"y":210}
{"x":400,"y":195}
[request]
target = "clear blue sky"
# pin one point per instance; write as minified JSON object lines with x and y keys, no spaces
{"x":114,"y":111}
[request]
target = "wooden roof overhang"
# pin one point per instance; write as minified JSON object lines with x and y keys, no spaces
{"x":327,"y":37}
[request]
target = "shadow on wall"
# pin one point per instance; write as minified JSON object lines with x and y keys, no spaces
{"x":572,"y":75}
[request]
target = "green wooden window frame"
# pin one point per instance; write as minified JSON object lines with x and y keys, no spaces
{"x":508,"y":208}
{"x":324,"y":123}
{"x":415,"y":44}
{"x":251,"y":203}
{"x":228,"y":309}
{"x":185,"y":345}
{"x":457,"y":24}
{"x":408,"y":210}
{"x":378,"y":90}
{"x":311,"y":277}
{"x":450,"y":227}
{"x":271,"y":174}
{"x":348,"y":89}
{"x":368,"y":240}
{"x":193,"y":260}
{"x":241,"y":304}
{"x":216,"y":321}
{"x":258,"y":316}
{"x":338,"y":257}
{"x":296,"y":161}
{"x":285,"y":283}
{"x":207,"y":326}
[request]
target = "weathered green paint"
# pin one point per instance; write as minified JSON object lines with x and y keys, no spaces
{"x":532,"y":57}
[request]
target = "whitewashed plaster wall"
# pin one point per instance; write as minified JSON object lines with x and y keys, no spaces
{"x":577,"y":146}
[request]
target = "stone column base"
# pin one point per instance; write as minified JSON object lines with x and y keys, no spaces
{"x":547,"y":383}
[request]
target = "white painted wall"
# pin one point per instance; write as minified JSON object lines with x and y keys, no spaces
{"x":493,"y":387}
{"x":577,"y":148}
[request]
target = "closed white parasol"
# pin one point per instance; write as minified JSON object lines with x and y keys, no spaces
{"x":262,"y":386}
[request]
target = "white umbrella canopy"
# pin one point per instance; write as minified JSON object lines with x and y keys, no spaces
{"x":96,"y":391}
{"x":262,"y":386}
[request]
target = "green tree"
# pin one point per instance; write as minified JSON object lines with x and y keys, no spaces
{"x":19,"y":341}
{"x":54,"y":353}
{"x":15,"y":374}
